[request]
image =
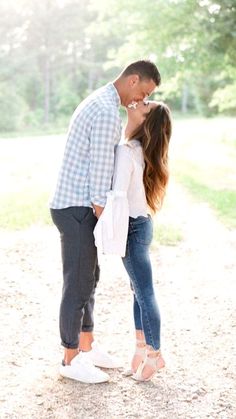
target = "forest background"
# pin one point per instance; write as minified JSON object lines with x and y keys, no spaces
{"x":54,"y":53}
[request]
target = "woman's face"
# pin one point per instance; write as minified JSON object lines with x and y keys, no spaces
{"x":138,"y":112}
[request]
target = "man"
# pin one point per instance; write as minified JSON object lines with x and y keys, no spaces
{"x":79,"y":199}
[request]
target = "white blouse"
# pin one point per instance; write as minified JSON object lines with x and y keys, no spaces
{"x":126,"y":199}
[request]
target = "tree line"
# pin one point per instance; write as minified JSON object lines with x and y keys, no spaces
{"x":54,"y":52}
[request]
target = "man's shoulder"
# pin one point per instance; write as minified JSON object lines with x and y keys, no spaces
{"x":97,"y":103}
{"x":105,"y":101}
{"x":99,"y":106}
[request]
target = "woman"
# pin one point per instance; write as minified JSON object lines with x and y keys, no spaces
{"x":125,"y":226}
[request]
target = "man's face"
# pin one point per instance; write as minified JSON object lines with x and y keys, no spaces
{"x":137,"y":90}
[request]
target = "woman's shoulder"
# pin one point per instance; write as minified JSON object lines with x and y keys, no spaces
{"x":128,"y":146}
{"x":124,"y":149}
{"x":130,"y":150}
{"x":134,"y":149}
{"x":134,"y":143}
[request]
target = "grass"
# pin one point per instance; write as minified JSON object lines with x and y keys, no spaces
{"x":46,"y":129}
{"x":28,"y":167}
{"x":23,"y":209}
{"x":203,"y":160}
{"x":223,"y":201}
{"x":202,"y":157}
{"x":167,"y":234}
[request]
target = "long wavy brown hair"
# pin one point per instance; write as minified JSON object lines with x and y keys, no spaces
{"x":154,"y":135}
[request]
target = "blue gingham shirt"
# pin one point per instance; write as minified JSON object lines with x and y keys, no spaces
{"x":87,"y":168}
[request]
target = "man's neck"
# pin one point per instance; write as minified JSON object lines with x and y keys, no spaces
{"x":117,"y":84}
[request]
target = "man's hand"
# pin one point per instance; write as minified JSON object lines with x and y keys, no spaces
{"x":98,"y":210}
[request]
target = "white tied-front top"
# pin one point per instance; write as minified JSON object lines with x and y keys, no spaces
{"x":126,"y":199}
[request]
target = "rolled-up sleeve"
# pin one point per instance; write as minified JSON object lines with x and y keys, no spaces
{"x":104,"y":136}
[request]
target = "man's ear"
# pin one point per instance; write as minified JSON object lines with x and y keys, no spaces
{"x":134,"y":79}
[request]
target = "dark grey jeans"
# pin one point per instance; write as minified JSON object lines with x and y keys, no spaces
{"x":80,"y":271}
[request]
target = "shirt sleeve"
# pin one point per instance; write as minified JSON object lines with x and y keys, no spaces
{"x":111,"y":230}
{"x":104,"y":135}
{"x":123,"y":168}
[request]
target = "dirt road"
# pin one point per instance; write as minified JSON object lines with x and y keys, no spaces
{"x":195,"y":285}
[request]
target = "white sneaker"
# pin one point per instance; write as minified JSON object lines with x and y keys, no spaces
{"x":101,"y":358}
{"x":82,"y":369}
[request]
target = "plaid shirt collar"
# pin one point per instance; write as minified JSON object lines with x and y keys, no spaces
{"x":114,"y":93}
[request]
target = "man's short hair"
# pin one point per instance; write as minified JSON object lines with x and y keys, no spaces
{"x":145,"y":69}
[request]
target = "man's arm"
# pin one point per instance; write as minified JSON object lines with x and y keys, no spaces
{"x":103,"y":138}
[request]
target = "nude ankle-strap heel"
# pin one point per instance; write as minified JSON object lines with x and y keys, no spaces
{"x":140,"y":351}
{"x":155,"y":362}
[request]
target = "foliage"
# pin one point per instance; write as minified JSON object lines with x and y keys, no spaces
{"x":53,"y":53}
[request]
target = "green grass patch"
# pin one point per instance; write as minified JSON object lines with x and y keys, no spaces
{"x":167,"y":235}
{"x":23,"y":209}
{"x":223,"y":201}
{"x":37,"y":132}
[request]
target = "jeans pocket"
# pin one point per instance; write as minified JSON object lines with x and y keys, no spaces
{"x":143,"y":231}
{"x":67,"y":219}
{"x":81,"y":214}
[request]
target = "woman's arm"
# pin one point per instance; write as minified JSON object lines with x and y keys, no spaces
{"x":111,"y":230}
{"x":123,"y":168}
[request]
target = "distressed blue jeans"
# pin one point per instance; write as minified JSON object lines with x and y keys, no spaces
{"x":137,"y":264}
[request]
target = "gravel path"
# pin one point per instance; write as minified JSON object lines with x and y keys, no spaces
{"x":195,"y":284}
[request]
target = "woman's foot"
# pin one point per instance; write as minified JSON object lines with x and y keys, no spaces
{"x":139,"y":355}
{"x":150,"y":366}
{"x":138,"y":358}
